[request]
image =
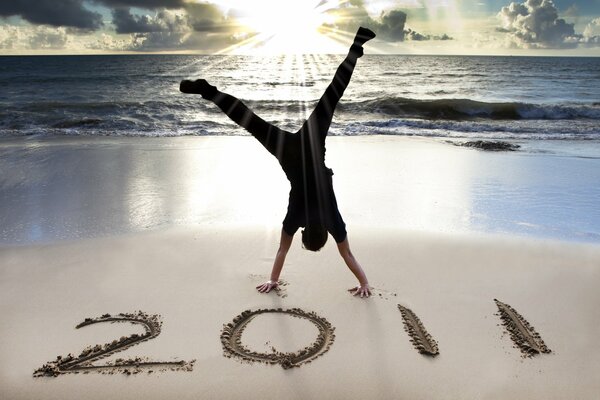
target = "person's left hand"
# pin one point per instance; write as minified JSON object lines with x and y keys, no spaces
{"x":363,"y":291}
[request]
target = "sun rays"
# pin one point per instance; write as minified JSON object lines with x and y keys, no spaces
{"x":297,"y":43}
{"x":275,"y":27}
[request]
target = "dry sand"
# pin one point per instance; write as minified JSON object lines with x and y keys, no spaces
{"x":199,"y":279}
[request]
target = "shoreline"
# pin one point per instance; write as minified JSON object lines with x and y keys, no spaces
{"x":67,"y":188}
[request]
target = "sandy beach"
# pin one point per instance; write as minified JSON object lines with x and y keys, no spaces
{"x":174,"y":227}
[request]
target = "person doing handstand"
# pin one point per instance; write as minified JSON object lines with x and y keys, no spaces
{"x":312,"y":202}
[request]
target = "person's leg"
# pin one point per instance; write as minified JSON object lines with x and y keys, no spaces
{"x":238,"y":112}
{"x":320,"y":119}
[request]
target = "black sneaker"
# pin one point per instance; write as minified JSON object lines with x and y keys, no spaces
{"x":199,"y":86}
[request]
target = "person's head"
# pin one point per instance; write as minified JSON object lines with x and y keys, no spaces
{"x":314,"y":237}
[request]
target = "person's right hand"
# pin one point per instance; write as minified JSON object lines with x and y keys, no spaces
{"x":267,"y":286}
{"x":361,"y":290}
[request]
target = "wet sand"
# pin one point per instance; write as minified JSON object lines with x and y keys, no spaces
{"x":68,"y":188}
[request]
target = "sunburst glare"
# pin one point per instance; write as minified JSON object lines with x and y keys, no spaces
{"x":285,"y":27}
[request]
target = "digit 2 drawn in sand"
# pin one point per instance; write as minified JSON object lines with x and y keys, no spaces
{"x":521,"y":332}
{"x":231,"y":339}
{"x":84,"y":361}
{"x":419,"y":337}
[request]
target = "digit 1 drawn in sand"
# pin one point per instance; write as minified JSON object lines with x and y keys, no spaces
{"x":84,"y":361}
{"x":231,"y":339}
{"x":521,"y":332}
{"x":419,"y":337}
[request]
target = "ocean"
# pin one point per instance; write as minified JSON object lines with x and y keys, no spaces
{"x":456,"y":97}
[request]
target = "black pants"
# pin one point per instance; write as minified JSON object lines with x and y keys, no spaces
{"x":317,"y":125}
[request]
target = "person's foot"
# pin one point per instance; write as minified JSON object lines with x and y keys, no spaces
{"x":363,"y":35}
{"x":356,"y":51}
{"x":199,"y":86}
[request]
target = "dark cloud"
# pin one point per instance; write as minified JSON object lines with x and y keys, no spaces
{"x":205,"y":17}
{"x":200,"y":17}
{"x":535,"y":24}
{"x":147,"y":4}
{"x":390,"y":26}
{"x":199,"y":26}
{"x":416,"y":36}
{"x":69,"y":13}
{"x":166,"y":30}
{"x":125,"y":22}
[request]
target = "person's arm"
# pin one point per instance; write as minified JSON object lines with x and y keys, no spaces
{"x":284,"y":246}
{"x":363,"y":290}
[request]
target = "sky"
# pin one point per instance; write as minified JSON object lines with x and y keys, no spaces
{"x":487,"y":27}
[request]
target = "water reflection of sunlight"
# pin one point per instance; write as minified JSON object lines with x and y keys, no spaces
{"x":420,"y":188}
{"x":442,"y":190}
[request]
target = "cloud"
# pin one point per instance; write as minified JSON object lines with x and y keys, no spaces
{"x":205,"y":17}
{"x":591,"y":33}
{"x":592,"y":29}
{"x":166,"y":30}
{"x":9,"y":37}
{"x":416,"y":36}
{"x":199,"y":26}
{"x":33,"y":37}
{"x":48,"y":38}
{"x":201,"y":17}
{"x":106,"y":42}
{"x":69,"y":13}
{"x":164,"y":21}
{"x":390,"y":26}
{"x":535,"y":24}
{"x":147,"y":4}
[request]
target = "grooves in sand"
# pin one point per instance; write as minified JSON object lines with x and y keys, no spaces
{"x":521,"y":332}
{"x":84,"y":361}
{"x":419,"y":337}
{"x":231,"y":339}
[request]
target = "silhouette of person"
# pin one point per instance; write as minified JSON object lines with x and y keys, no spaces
{"x":312,"y":202}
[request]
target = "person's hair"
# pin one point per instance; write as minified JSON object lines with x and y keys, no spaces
{"x":314,"y":237}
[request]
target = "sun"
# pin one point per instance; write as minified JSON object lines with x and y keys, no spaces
{"x":289,"y":18}
{"x":287,"y":26}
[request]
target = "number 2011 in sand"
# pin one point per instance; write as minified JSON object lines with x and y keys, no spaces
{"x":521,"y":332}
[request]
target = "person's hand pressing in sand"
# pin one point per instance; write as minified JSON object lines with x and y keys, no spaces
{"x":361,"y":290}
{"x":312,"y":203}
{"x":267,"y":286}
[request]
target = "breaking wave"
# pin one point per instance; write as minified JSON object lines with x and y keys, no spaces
{"x":458,"y":109}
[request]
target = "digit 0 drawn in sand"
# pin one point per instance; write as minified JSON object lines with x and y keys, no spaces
{"x":421,"y":340}
{"x":521,"y":332}
{"x":231,"y":339}
{"x":84,"y":362}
